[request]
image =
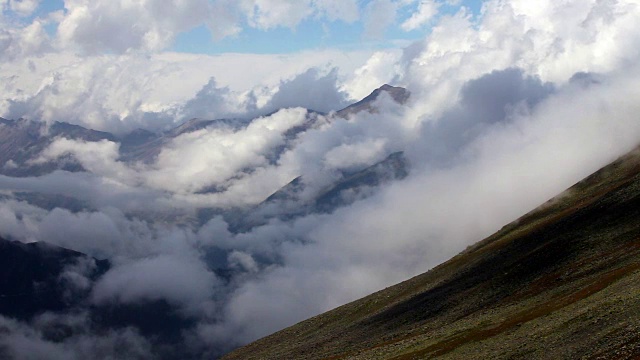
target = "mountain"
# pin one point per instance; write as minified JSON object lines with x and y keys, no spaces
{"x":562,"y":282}
{"x":39,"y":277}
{"x":24,"y":140}
{"x":40,"y":280}
{"x":287,"y":203}
{"x":32,"y":278}
{"x":398,"y":94}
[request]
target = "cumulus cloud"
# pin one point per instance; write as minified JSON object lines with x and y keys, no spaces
{"x":425,"y":12}
{"x":184,"y":167}
{"x":352,"y":155}
{"x":23,"y":7}
{"x":120,"y":93}
{"x":97,"y":26}
{"x":379,"y":15}
{"x":266,"y":14}
{"x":311,"y":90}
{"x":17,"y":42}
{"x":183,"y":281}
{"x":381,"y":68}
{"x":438,"y":210}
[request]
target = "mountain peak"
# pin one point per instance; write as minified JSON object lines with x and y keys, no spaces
{"x":399,"y":94}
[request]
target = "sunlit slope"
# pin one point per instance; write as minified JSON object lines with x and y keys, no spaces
{"x":561,"y":282}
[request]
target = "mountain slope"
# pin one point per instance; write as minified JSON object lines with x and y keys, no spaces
{"x":33,"y":277}
{"x":24,"y":140}
{"x":561,"y":282}
{"x":38,"y":278}
{"x":398,"y":94}
{"x":286,"y":204}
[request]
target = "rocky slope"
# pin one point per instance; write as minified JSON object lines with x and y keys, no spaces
{"x":562,"y":282}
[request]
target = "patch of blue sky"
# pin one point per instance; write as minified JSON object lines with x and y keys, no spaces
{"x":42,"y":11}
{"x":310,"y":34}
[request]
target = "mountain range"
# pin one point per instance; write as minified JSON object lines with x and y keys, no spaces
{"x":23,"y":141}
{"x":39,"y":278}
{"x":559,"y":282}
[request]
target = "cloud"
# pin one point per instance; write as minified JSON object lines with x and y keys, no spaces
{"x":267,"y":14}
{"x":21,"y":341}
{"x":23,"y":7}
{"x":183,"y":281}
{"x":353,"y":155}
{"x":17,"y":42}
{"x":379,"y":15}
{"x":485,"y":101}
{"x":184,"y":168}
{"x":311,"y":90}
{"x":489,"y":179}
{"x":338,"y":10}
{"x":381,"y":68}
{"x":120,"y":93}
{"x":211,"y":102}
{"x":425,"y":12}
{"x":97,"y":26}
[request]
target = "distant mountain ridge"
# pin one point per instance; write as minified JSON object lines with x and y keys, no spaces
{"x":31,"y":278}
{"x":23,"y":140}
{"x":35,"y":277}
{"x":38,"y":277}
{"x":398,"y":94}
{"x":286,"y":203}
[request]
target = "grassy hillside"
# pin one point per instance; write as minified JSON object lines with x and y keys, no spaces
{"x":562,"y":282}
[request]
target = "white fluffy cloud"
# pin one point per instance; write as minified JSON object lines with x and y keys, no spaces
{"x":379,"y":15}
{"x":22,"y":7}
{"x":183,"y":281}
{"x":120,"y":26}
{"x":267,"y":14}
{"x":18,"y":42}
{"x":427,"y":9}
{"x":125,"y":92}
{"x":441,"y":208}
{"x":186,"y":167}
{"x":151,"y":25}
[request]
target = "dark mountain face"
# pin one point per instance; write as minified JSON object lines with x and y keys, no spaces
{"x":37,"y":278}
{"x":398,"y":94}
{"x":32,"y":278}
{"x":24,"y":140}
{"x":561,"y":282}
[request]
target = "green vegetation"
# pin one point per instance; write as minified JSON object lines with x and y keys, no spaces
{"x":562,"y":282}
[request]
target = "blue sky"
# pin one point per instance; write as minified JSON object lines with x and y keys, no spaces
{"x":313,"y":32}
{"x":310,"y":34}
